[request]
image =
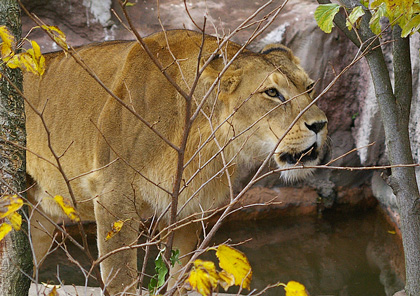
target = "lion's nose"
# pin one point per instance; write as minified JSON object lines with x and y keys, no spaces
{"x":316,"y":127}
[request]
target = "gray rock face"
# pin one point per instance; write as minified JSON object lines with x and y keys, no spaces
{"x":350,"y":104}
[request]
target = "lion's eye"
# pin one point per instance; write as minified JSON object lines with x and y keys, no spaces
{"x":274,"y":93}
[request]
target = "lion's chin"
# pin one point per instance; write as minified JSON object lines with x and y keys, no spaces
{"x":294,"y":174}
{"x":292,"y":165}
{"x":295,"y":171}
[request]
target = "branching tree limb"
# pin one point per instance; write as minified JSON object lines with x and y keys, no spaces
{"x":395,"y":112}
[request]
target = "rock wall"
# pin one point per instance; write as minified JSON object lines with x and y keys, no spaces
{"x":354,"y":119}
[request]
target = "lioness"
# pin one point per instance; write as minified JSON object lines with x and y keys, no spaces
{"x":119,"y":169}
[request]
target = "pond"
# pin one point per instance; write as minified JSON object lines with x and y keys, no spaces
{"x":354,"y":254}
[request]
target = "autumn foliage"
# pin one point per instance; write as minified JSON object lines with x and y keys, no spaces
{"x":236,"y":270}
{"x":405,"y":13}
{"x":11,"y":203}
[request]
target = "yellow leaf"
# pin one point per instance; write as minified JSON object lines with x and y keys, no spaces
{"x":67,"y":207}
{"x":31,"y":60}
{"x":4,"y":230}
{"x":6,"y":52}
{"x":16,"y":220}
{"x":58,"y":36}
{"x":376,"y":3}
{"x":38,"y":58}
{"x":295,"y":289}
{"x":235,"y":262}
{"x":396,"y":8}
{"x":226,"y":280}
{"x":37,"y":50}
{"x":11,"y":203}
{"x":6,"y":36}
{"x":50,"y":286}
{"x":392,"y":232}
{"x":203,"y":277}
{"x":24,"y":61}
{"x":116,"y":227}
{"x":53,"y":292}
{"x":41,"y":66}
{"x":27,"y":61}
{"x":399,"y":6}
{"x":13,"y":62}
{"x":8,"y":42}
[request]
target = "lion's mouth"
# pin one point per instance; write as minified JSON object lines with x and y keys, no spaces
{"x":306,"y":155}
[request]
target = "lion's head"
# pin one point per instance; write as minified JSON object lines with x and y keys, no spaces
{"x":268,"y":92}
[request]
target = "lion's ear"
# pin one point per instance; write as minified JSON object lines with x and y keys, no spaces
{"x":229,"y":80}
{"x":278,"y":51}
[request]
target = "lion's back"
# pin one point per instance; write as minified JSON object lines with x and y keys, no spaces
{"x":78,"y":111}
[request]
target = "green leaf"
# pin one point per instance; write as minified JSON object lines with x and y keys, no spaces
{"x":175,"y":257}
{"x":161,"y":270}
{"x":324,"y":16}
{"x":158,"y":279}
{"x":365,"y":3}
{"x":411,"y":26}
{"x":374,"y":23}
{"x":354,"y":17}
{"x":152,"y":285}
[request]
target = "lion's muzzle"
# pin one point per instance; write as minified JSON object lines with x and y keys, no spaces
{"x":309,"y":154}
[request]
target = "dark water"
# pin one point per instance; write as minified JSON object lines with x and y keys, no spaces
{"x":340,"y":255}
{"x":337,"y":255}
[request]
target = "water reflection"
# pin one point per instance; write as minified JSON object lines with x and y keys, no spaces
{"x":340,"y":255}
{"x":337,"y":255}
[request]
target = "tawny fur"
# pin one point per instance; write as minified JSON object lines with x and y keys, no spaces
{"x":87,"y":125}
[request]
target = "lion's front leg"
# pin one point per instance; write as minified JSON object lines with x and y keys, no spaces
{"x":119,"y":270}
{"x":42,"y":233}
{"x":41,"y":229}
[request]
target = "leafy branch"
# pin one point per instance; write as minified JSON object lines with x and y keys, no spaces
{"x":394,"y":103}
